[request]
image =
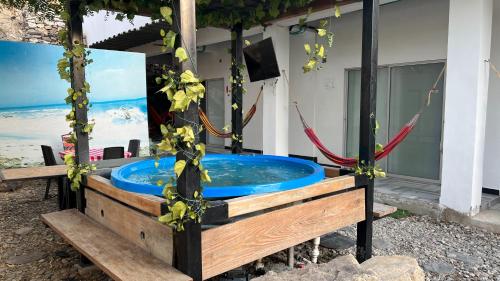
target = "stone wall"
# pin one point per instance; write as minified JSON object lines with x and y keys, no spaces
{"x":16,"y":25}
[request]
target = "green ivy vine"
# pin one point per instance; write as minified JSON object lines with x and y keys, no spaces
{"x":316,"y":54}
{"x":182,"y":89}
{"x":238,"y":80}
{"x":75,"y":50}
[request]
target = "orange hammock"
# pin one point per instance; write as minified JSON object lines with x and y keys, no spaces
{"x":222,"y":134}
{"x":398,"y":138}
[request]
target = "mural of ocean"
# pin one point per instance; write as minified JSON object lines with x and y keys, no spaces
{"x":24,"y":129}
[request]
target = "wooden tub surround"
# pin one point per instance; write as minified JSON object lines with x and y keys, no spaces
{"x":119,"y":227}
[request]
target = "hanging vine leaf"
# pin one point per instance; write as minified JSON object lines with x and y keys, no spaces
{"x":337,"y":11}
{"x":166,"y":12}
{"x":169,"y":39}
{"x":309,"y":65}
{"x":181,"y":54}
{"x":179,"y":167}
{"x":307,"y":47}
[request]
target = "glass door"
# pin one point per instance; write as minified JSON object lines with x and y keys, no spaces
{"x":400,"y":95}
{"x":419,"y":155}
{"x":215,"y":108}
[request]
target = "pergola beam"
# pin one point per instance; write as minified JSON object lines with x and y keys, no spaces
{"x":237,"y":88}
{"x":77,"y":71}
{"x":188,"y":242}
{"x":369,"y":63}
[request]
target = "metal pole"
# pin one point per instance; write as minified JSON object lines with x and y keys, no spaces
{"x":367,"y":120}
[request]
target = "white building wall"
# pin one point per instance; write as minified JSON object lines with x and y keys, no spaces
{"x":215,"y":62}
{"x":410,"y":31}
{"x":491,"y":178}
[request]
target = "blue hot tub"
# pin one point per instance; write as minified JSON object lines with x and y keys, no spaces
{"x":232,"y":175}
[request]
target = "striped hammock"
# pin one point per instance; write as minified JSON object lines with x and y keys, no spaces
{"x":221,"y":133}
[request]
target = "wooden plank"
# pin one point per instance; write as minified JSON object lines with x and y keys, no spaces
{"x":44,"y":172}
{"x":146,"y":203}
{"x":117,"y":257}
{"x":142,"y":230}
{"x":33,"y":173}
{"x":331,"y":172}
{"x":252,"y":203}
{"x":235,"y":244}
{"x":382,"y":210}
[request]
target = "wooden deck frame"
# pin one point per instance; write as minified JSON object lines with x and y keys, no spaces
{"x":318,"y":209}
{"x":235,"y":244}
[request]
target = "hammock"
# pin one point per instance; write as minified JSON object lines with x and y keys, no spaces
{"x":222,"y":134}
{"x":388,"y":148}
{"x":351,"y":162}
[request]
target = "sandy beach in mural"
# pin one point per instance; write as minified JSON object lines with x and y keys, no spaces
{"x":23,"y":130}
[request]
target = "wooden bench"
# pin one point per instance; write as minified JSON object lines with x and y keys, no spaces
{"x":43,"y":172}
{"x":117,"y":257}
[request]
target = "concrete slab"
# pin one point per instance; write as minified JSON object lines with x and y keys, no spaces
{"x":488,"y":219}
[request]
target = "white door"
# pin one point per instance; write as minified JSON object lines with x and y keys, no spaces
{"x":215,"y":108}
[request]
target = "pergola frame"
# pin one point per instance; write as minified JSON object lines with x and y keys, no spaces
{"x":188,"y":248}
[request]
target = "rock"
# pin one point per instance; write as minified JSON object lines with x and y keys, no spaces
{"x":336,"y":241}
{"x":395,"y":268}
{"x":23,"y":230}
{"x":346,"y":268}
{"x":439,"y":267}
{"x":24,"y":259}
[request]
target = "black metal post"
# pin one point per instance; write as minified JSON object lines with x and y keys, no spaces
{"x":237,"y":88}
{"x":188,"y":242}
{"x":367,"y":120}
{"x":75,"y":37}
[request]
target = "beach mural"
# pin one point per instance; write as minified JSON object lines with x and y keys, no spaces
{"x":32,"y":109}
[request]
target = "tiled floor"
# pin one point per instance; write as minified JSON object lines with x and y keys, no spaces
{"x":427,"y":191}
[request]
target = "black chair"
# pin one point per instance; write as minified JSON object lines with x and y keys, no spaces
{"x":115,"y":152}
{"x":133,"y":147}
{"x":50,"y":160}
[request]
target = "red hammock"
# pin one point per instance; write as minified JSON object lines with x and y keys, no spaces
{"x":351,"y":162}
{"x":398,"y":138}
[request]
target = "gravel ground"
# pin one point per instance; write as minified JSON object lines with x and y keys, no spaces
{"x":28,"y":249}
{"x":446,"y":251}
